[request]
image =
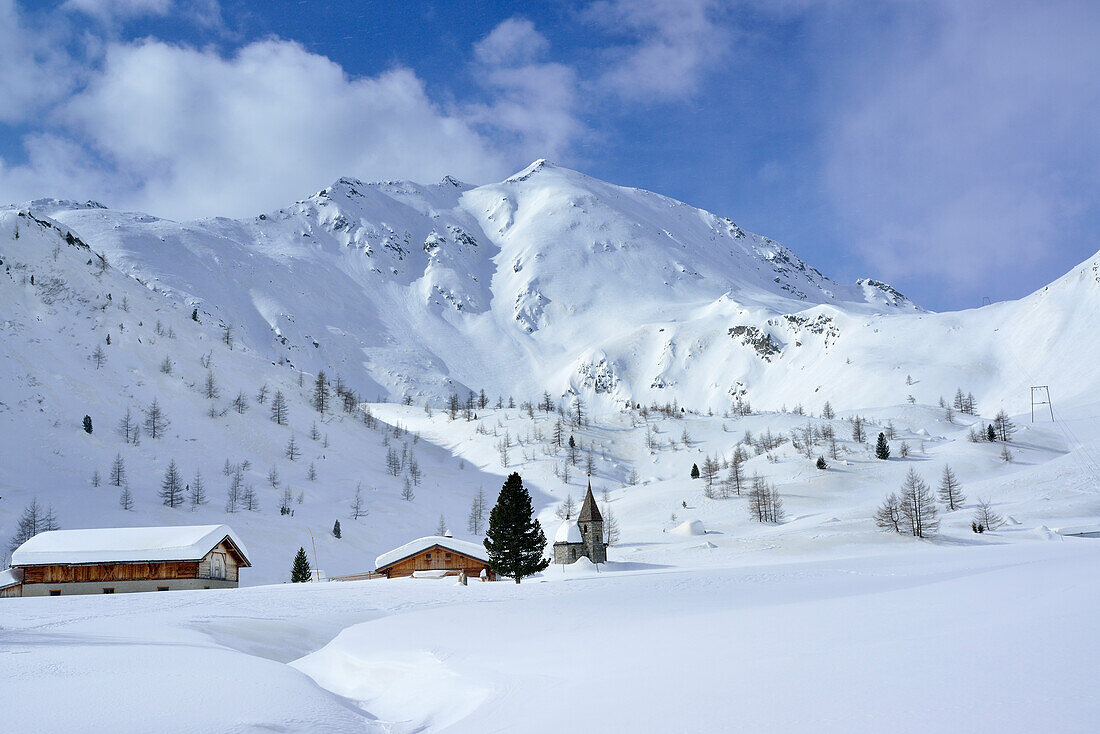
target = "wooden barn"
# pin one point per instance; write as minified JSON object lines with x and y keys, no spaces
{"x":122,"y":560}
{"x":435,"y":555}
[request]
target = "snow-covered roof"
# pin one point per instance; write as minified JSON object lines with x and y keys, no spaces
{"x":120,"y":545}
{"x":569,"y":532}
{"x":473,"y":550}
{"x":10,"y":577}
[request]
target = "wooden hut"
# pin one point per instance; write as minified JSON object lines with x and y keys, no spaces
{"x":435,"y":555}
{"x":122,"y":560}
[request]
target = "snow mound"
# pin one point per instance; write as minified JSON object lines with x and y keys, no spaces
{"x":690,"y":527}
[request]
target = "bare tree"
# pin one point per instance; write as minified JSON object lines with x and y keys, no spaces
{"x":166,"y":365}
{"x":1003,"y":426}
{"x":567,"y":509}
{"x":949,"y":490}
{"x":99,"y":356}
{"x":888,"y":514}
{"x":985,"y":517}
{"x":632,"y":478}
{"x":918,"y":508}
{"x":118,"y":471}
{"x":764,"y":501}
{"x":858,"y":434}
{"x":261,"y":394}
{"x":278,"y":408}
{"x":1006,"y":454}
{"x":357,"y":507}
{"x":827,"y":412}
{"x":610,"y":527}
{"x":196,"y":491}
{"x":441,"y":526}
{"x":292,"y":451}
{"x":126,"y":499}
{"x":407,"y":491}
{"x":127,"y":426}
{"x":475,"y":521}
{"x":311,"y":472}
{"x":273,"y":477}
{"x":156,"y":422}
{"x":210,"y":389}
{"x":171,"y":489}
{"x":240,"y":403}
{"x":320,"y":399}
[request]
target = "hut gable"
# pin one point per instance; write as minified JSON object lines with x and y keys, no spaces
{"x":434,"y":553}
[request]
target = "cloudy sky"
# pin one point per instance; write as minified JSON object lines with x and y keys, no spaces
{"x":948,"y":147}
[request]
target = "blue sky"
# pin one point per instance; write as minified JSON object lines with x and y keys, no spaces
{"x":947,"y":147}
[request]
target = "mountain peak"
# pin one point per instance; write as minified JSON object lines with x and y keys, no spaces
{"x":530,"y":170}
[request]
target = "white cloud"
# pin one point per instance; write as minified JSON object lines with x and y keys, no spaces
{"x":673,"y":43}
{"x":189,"y":133}
{"x":111,"y":9}
{"x":532,"y":100}
{"x":966,"y":154}
{"x":36,"y":70}
{"x":514,"y":41}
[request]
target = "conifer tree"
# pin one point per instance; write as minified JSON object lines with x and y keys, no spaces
{"x":949,"y":491}
{"x":515,"y":540}
{"x":917,"y":508}
{"x":990,"y":434}
{"x":278,"y":408}
{"x":882,"y":449}
{"x":196,"y":490}
{"x":171,"y":489}
{"x":118,"y":471}
{"x":694,"y":471}
{"x":336,"y":530}
{"x":300,"y":572}
{"x":87,"y":424}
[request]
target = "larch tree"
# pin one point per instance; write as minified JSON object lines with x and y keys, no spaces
{"x":475,"y":521}
{"x":514,"y":540}
{"x":171,"y":489}
{"x":118,"y":471}
{"x":196,"y":491}
{"x":441,"y":526}
{"x":358,"y":509}
{"x":126,"y":498}
{"x":567,"y":509}
{"x":888,"y":514}
{"x":1003,"y":426}
{"x":278,"y":408}
{"x":950,"y":491}
{"x":917,"y":507}
{"x":986,"y":517}
{"x":320,"y":398}
{"x":156,"y":422}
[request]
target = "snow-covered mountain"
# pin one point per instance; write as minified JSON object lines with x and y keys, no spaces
{"x":549,"y":280}
{"x":554,"y":280}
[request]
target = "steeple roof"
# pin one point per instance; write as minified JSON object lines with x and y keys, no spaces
{"x":589,"y":511}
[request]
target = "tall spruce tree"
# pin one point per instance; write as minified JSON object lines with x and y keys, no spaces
{"x":300,"y":572}
{"x":515,"y":540}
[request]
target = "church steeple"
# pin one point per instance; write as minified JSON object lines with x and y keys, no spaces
{"x":589,"y":510}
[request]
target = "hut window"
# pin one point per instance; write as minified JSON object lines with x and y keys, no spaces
{"x":428,"y":556}
{"x":162,"y":588}
{"x":55,"y":592}
{"x":108,"y":590}
{"x":448,"y":555}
